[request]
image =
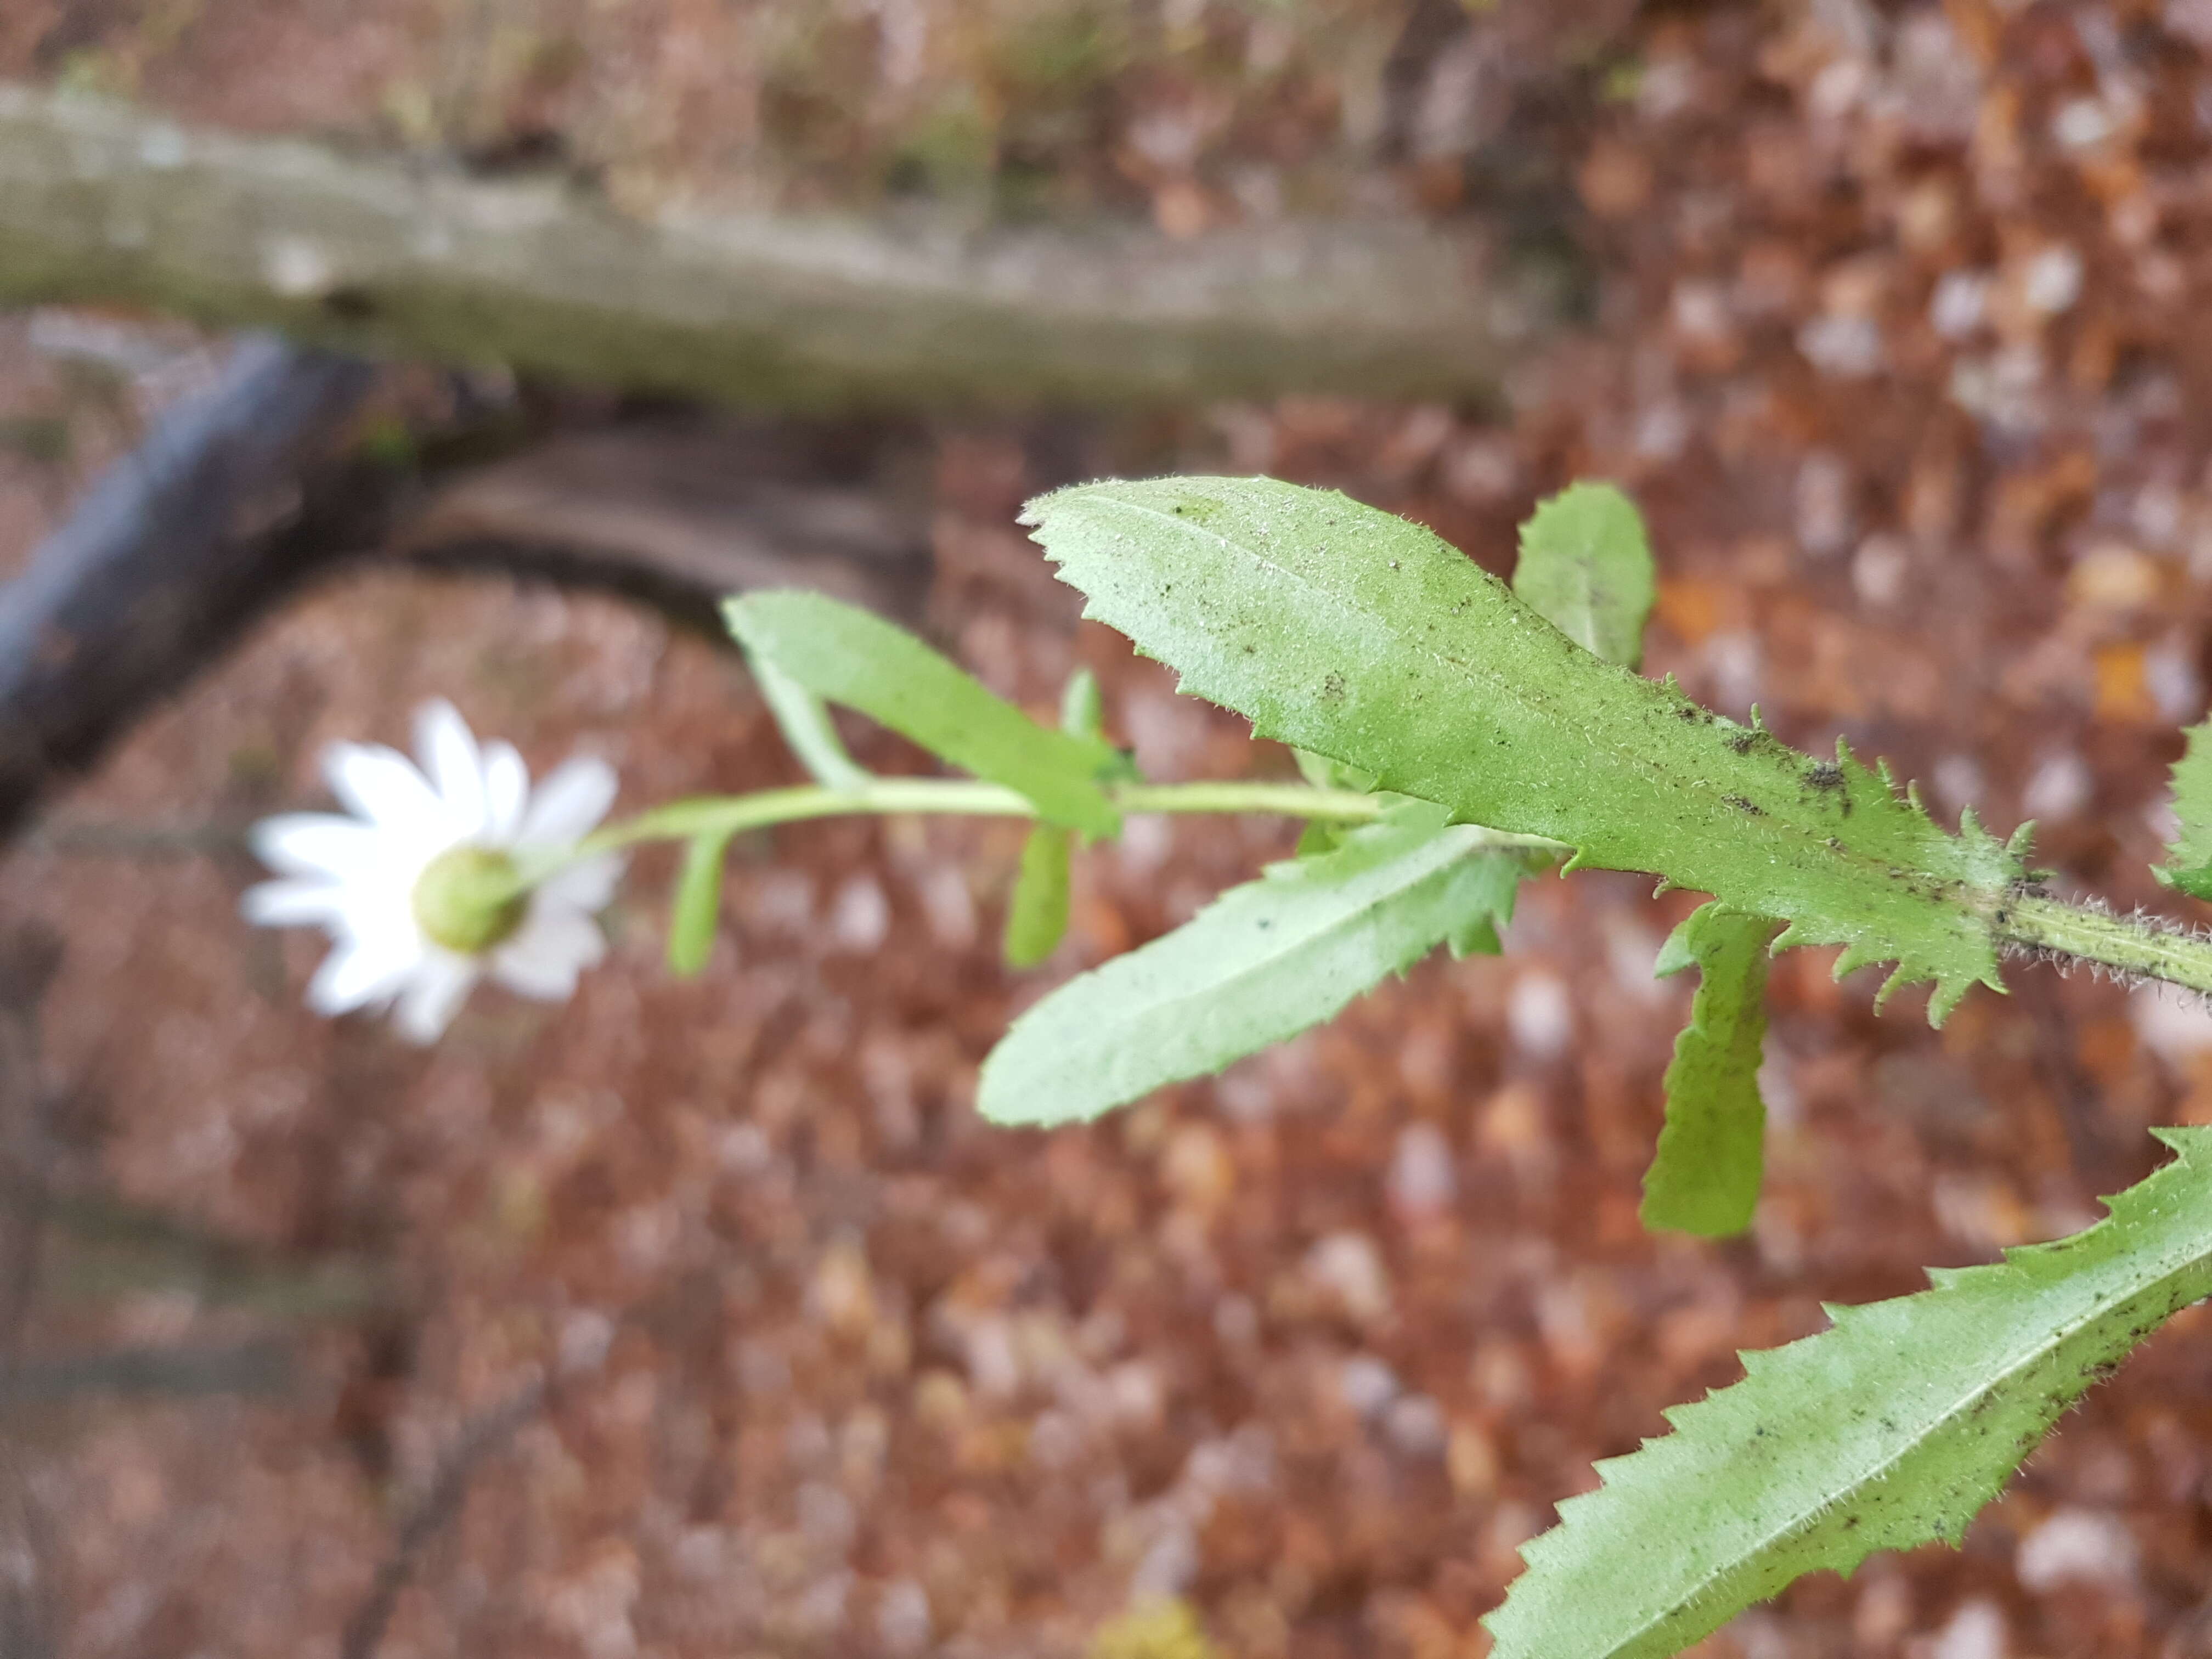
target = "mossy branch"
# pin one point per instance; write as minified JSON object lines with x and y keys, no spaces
{"x":398,"y":258}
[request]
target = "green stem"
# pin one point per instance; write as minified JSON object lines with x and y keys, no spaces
{"x":2146,"y":949}
{"x":735,"y":814}
{"x":2127,"y":944}
{"x":730,"y":814}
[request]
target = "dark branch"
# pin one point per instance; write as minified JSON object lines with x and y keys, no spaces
{"x":162,"y":563}
{"x":235,"y":504}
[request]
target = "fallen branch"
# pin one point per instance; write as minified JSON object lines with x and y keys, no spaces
{"x":235,"y":503}
{"x":678,"y":515}
{"x":262,"y":1366}
{"x":439,"y":1502}
{"x":407,"y":258}
{"x":162,"y":563}
{"x":29,"y":959}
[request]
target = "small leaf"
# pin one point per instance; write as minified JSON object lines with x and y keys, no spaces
{"x":1704,"y":1178}
{"x":844,"y":653}
{"x":1263,"y":962}
{"x":1336,"y":628}
{"x":1890,"y":1428}
{"x":2189,"y":860}
{"x":1083,"y":714}
{"x":1585,"y":567}
{"x":1322,"y":773}
{"x":696,"y":909}
{"x":1037,"y":915}
{"x":806,"y":726}
{"x":1082,"y":706}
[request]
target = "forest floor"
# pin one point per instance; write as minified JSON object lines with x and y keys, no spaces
{"x":1893,"y":336}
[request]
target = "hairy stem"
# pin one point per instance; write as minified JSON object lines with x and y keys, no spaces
{"x":2133,"y":945}
{"x":2142,"y":948}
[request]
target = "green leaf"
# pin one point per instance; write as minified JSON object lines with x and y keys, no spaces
{"x":1337,"y":628}
{"x":847,"y":655}
{"x":2189,"y":864}
{"x":1886,"y":1431}
{"x":1585,"y":567}
{"x":1323,"y":773}
{"x":806,"y":726}
{"x":1037,"y":915}
{"x":696,"y":909}
{"x":1083,"y":705}
{"x":1326,"y":835}
{"x":1263,"y":962}
{"x":1704,"y":1178}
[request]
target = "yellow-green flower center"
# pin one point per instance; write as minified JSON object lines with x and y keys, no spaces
{"x":465,"y":899}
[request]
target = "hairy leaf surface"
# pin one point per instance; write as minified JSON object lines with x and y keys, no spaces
{"x":1340,"y":628}
{"x":1263,"y":962}
{"x":1585,"y":567}
{"x":1705,"y":1177}
{"x":849,"y":655}
{"x":1886,"y":1431}
{"x":2189,"y":860}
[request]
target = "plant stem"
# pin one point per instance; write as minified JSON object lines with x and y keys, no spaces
{"x":734,"y":814}
{"x":2143,"y":948}
{"x":729,"y":815}
{"x":2127,"y":944}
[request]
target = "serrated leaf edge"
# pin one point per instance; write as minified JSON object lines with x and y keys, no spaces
{"x":2187,"y":1144}
{"x":1949,"y":988}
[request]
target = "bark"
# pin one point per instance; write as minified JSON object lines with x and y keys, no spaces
{"x":397,"y":258}
{"x":678,"y":514}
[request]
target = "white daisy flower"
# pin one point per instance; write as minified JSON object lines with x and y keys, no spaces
{"x":415,"y":887}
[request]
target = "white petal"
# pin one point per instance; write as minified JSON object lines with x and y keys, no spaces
{"x":448,"y":750}
{"x":507,"y":792}
{"x":585,"y":885}
{"x":316,"y":844}
{"x":569,"y":804}
{"x":358,"y":972}
{"x":294,"y":903}
{"x":433,"y":994}
{"x":382,"y":785}
{"x":543,"y":959}
{"x":374,"y":905}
